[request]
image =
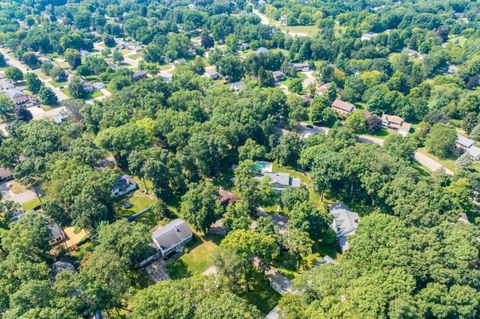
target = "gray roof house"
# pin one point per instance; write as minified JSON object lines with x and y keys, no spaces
{"x":464,"y":143}
{"x":137,"y":76}
{"x":124,"y":185}
{"x":279,"y":282}
{"x":280,"y":181}
{"x":237,"y":86}
{"x":278,"y":76}
{"x":474,"y":152}
{"x":171,"y":237}
{"x":261,"y":50}
{"x":345,"y":223}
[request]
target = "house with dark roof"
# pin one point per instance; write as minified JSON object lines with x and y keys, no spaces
{"x":57,"y":234}
{"x":345,"y":223}
{"x":225,"y":197}
{"x":342,"y":107}
{"x":172,"y":237}
{"x":124,"y":185}
{"x":278,"y":76}
{"x":137,"y":76}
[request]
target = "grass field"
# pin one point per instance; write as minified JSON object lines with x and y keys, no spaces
{"x":138,"y":201}
{"x":34,"y":203}
{"x":196,"y":260}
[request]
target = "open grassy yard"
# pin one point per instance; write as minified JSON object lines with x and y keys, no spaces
{"x":58,"y":84}
{"x":198,"y":258}
{"x":300,"y":29}
{"x":138,"y":201}
{"x":93,"y":95}
{"x":34,"y":203}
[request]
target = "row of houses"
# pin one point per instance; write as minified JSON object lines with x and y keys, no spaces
{"x":390,"y":122}
{"x":18,"y":97}
{"x":466,"y":145}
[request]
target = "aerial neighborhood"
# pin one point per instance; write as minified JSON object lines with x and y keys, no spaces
{"x":239,"y":159}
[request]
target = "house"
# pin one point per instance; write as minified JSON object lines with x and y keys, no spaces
{"x":98,"y":86}
{"x":463,"y":143}
{"x":225,"y":197}
{"x":301,"y":67}
{"x":474,"y":152}
{"x":18,"y":97}
{"x":279,"y":282}
{"x":369,"y":36}
{"x":137,"y":76}
{"x":62,"y":266}
{"x":238,"y":86}
{"x":243,"y":46}
{"x":323,"y":88}
{"x":278,"y":76}
{"x":88,"y":86}
{"x":274,"y":314}
{"x":124,"y":185}
{"x":261,"y":50}
{"x":167,"y":77}
{"x":171,"y":237}
{"x":280,"y":181}
{"x":211,"y":73}
{"x":345,"y":223}
{"x":452,"y":69}
{"x":396,"y":123}
{"x":56,"y":234}
{"x":342,"y":107}
{"x":5,"y":85}
{"x":326,"y":260}
{"x":5,"y":174}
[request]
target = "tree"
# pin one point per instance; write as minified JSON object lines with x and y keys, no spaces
{"x":33,"y":82}
{"x":227,"y":305}
{"x":129,"y":241}
{"x":207,"y":41}
{"x":23,"y":114}
{"x":117,"y":56}
{"x":231,"y":67}
{"x":198,"y":65}
{"x":296,"y":86}
{"x":75,"y":87}
{"x":320,"y":111}
{"x":294,"y":195}
{"x":58,"y":74}
{"x":200,"y":205}
{"x":373,"y":123}
{"x":356,"y":121}
{"x":3,"y":62}
{"x":287,"y":151}
{"x":14,"y":74}
{"x":441,"y":140}
{"x":47,"y":96}
{"x":469,"y":122}
{"x":73,"y":58}
{"x":298,"y":243}
{"x":400,"y":147}
{"x":30,"y":59}
{"x":354,"y":89}
{"x":7,"y":107}
{"x":251,"y":150}
{"x":305,"y":217}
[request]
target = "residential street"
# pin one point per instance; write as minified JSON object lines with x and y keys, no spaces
{"x":25,"y":69}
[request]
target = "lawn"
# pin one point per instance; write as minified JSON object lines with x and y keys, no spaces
{"x":135,"y":56}
{"x":139,"y":202}
{"x":66,"y":92}
{"x":32,"y":204}
{"x":448,"y":162}
{"x":307,"y":29}
{"x":58,"y":84}
{"x":195,"y":261}
{"x":92,"y":95}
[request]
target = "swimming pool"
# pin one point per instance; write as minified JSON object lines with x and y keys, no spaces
{"x":263,"y":166}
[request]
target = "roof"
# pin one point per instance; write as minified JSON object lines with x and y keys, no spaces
{"x":392,"y":119}
{"x":277,"y":74}
{"x":345,"y":222}
{"x":61,"y":266}
{"x":324,"y":88}
{"x":15,"y":93}
{"x":171,"y":234}
{"x":465,"y":141}
{"x":225,"y":197}
{"x":474,"y":151}
{"x":262,"y":50}
{"x":5,"y":173}
{"x":326,"y":260}
{"x":238,"y":86}
{"x":342,"y":105}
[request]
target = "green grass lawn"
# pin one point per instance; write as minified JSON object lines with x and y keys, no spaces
{"x":135,"y":56}
{"x":58,"y":84}
{"x":195,"y":261}
{"x":92,"y":95}
{"x":308,"y":29}
{"x":138,"y":201}
{"x":32,"y":204}
{"x":448,"y":162}
{"x":66,"y":92}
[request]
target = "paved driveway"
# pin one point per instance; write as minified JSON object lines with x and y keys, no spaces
{"x":21,"y":198}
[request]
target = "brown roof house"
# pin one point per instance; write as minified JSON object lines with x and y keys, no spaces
{"x":396,"y":123}
{"x":343,"y":107}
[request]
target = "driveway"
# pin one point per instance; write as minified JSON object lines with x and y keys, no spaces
{"x":431,"y":164}
{"x":20,"y":198}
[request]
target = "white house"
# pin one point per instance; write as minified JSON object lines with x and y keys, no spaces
{"x":124,"y":185}
{"x":172,"y":237}
{"x":280,"y":181}
{"x":345,"y":223}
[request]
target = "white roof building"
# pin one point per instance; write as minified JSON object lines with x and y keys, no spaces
{"x":345,"y":223}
